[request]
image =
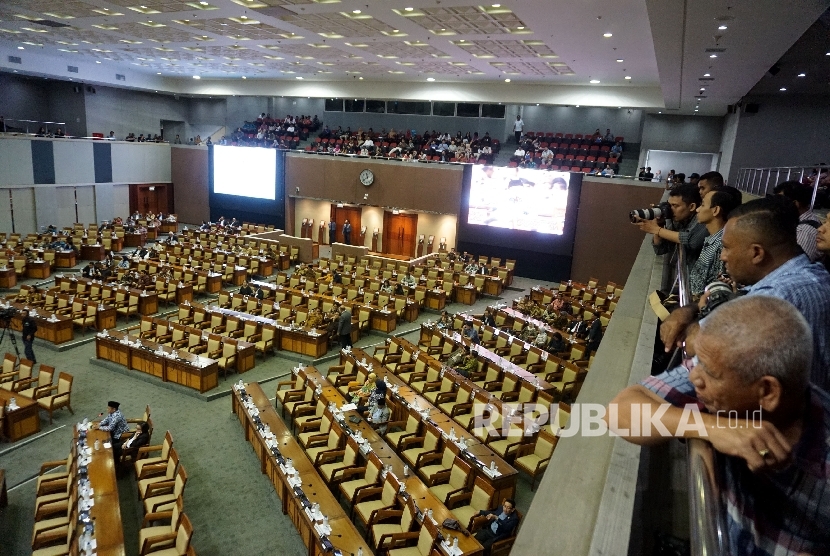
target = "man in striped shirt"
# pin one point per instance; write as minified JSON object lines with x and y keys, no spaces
{"x":712,"y":213}
{"x":808,"y":223}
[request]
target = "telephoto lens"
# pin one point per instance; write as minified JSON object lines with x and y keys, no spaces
{"x":663,"y":210}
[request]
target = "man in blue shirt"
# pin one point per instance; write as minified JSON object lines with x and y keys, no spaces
{"x":500,"y":524}
{"x":761,"y":253}
{"x":116,"y":425}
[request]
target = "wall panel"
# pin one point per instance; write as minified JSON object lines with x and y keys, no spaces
{"x":85,"y":196}
{"x":140,"y":162}
{"x":46,"y":206}
{"x":103,"y":202}
{"x":120,"y":202}
{"x":189,"y":174}
{"x":16,"y":162}
{"x":6,"y":222}
{"x":65,"y":199}
{"x":74,"y":162}
{"x":24,"y":210}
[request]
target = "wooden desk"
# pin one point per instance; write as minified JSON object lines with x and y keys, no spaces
{"x":436,"y":299}
{"x":106,"y":512}
{"x":8,"y":278}
{"x":168,"y":227}
{"x":465,"y":295}
{"x":92,"y":252}
{"x":57,"y":332}
{"x":301,"y":341}
{"x":135,"y":239}
{"x":344,"y":535}
{"x":38,"y":269}
{"x":147,"y":304}
{"x":384,"y":319}
{"x":105,"y":318}
{"x":116,"y":244}
{"x":152,"y":232}
{"x":65,"y":259}
{"x":186,"y":369}
{"x":493,"y":286}
{"x":184,"y":293}
{"x":22,"y":422}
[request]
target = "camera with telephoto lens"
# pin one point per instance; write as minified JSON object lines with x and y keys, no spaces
{"x":663,"y":210}
{"x":6,"y":316}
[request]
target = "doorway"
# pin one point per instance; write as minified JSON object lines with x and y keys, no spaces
{"x":146,"y":198}
{"x":340,"y":214}
{"x":399,"y":235}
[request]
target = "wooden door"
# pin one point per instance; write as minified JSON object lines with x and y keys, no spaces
{"x":340,"y":215}
{"x":146,"y":198}
{"x":399,"y":236}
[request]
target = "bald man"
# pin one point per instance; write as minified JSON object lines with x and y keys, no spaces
{"x":749,"y":387}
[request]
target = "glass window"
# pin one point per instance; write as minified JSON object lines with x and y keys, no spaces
{"x":408,"y":107}
{"x":443,"y":109}
{"x":334,"y":105}
{"x":377,"y":106}
{"x":355,"y":105}
{"x":492,"y":111}
{"x":468,"y":110}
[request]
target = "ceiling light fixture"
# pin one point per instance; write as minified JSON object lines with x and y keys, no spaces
{"x":707,"y":75}
{"x":430,"y":79}
{"x":713,"y":55}
{"x":21,"y":48}
{"x":659,"y":112}
{"x":243,"y":77}
{"x":497,"y":5}
{"x":594,"y":81}
{"x":408,"y":9}
{"x":608,"y":35}
{"x":520,"y":27}
{"x":782,"y":89}
{"x":355,"y":11}
{"x":298,"y":77}
{"x":577,"y":106}
{"x":97,"y":61}
{"x":360,"y":78}
{"x":203,"y":3}
{"x":507,"y":80}
{"x":722,"y":28}
{"x":802,"y":75}
{"x":158,"y":73}
{"x":620,"y":60}
{"x":196,"y":77}
{"x":628,"y":77}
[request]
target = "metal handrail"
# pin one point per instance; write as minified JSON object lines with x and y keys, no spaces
{"x":707,"y":519}
{"x":761,"y":181}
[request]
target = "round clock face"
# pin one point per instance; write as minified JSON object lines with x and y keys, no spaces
{"x":367,"y":177}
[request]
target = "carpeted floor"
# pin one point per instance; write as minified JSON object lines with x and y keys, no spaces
{"x":233,"y":507}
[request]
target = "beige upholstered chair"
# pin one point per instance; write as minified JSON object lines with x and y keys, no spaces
{"x":60,"y":399}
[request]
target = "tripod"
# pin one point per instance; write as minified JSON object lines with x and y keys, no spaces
{"x":3,"y":331}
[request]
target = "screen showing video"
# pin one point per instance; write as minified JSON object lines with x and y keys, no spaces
{"x":519,"y":199}
{"x":245,"y":171}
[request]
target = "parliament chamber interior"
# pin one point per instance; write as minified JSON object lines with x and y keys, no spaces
{"x":409,"y":222}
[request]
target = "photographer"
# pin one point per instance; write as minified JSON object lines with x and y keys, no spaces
{"x":28,"y":333}
{"x":679,"y":226}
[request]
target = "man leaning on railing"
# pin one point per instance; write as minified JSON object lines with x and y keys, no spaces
{"x":747,"y":391}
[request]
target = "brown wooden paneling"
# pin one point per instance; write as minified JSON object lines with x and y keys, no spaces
{"x":415,"y":186}
{"x":606,"y":241}
{"x":189,"y":172}
{"x":352,"y":214}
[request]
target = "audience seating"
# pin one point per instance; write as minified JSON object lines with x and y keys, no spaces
{"x":60,"y":399}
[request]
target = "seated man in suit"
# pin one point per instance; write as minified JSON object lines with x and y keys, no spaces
{"x":140,"y":438}
{"x":500,"y":524}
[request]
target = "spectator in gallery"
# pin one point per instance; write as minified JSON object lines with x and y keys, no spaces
{"x":708,"y":182}
{"x":658,"y":177}
{"x":41,"y":132}
{"x":518,"y":155}
{"x":642,"y":174}
{"x":59,"y":133}
{"x":648,"y":175}
{"x":608,"y":172}
{"x":347,"y":233}
{"x":808,"y":222}
{"x":518,"y":126}
{"x":332,"y":232}
{"x":617,"y":148}
{"x":190,"y":141}
{"x":694,"y":177}
{"x":208,"y":142}
{"x":111,"y":136}
{"x":609,"y":137}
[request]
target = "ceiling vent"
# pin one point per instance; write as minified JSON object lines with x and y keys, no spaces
{"x":49,"y":23}
{"x":120,"y":77}
{"x":15,"y":60}
{"x":72,"y":69}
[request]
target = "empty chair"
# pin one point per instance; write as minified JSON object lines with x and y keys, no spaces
{"x":384,"y":535}
{"x":533,"y":458}
{"x":162,"y":496}
{"x":331,"y":471}
{"x":60,"y":399}
{"x":181,"y":547}
{"x":146,"y":465}
{"x":445,"y":484}
{"x":40,"y":386}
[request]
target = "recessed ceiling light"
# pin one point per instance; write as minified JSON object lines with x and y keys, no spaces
{"x":537,"y":104}
{"x":394,"y":30}
{"x":298,"y":77}
{"x":355,"y":11}
{"x":628,"y":77}
{"x":713,"y":55}
{"x":21,"y":48}
{"x":143,"y":7}
{"x":408,"y":9}
{"x":802,"y":75}
{"x":620,"y":60}
{"x":594,"y":81}
{"x":722,"y":28}
{"x":659,"y":112}
{"x":619,"y":106}
{"x":782,"y":89}
{"x":360,"y":78}
{"x":577,"y":106}
{"x":158,"y":73}
{"x":243,"y":77}
{"x":430,"y":79}
{"x":507,"y":80}
{"x":244,"y":17}
{"x":497,"y":5}
{"x":203,"y":3}
{"x":520,"y":27}
{"x":196,"y":77}
{"x":707,"y":75}
{"x":97,"y":61}
{"x":608,"y":35}
{"x":703,"y":88}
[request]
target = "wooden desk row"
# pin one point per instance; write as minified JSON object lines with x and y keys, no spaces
{"x":245,"y":351}
{"x":415,"y":487}
{"x":189,"y":275}
{"x":56,"y":331}
{"x":193,"y":371}
{"x":148,"y":301}
{"x":344,"y":535}
{"x":22,"y":422}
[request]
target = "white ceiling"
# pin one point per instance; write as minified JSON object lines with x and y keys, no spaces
{"x":549,"y":49}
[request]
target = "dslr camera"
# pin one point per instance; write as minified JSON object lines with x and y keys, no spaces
{"x":663,"y":210}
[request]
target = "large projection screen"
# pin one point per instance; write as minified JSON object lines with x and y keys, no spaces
{"x":245,"y":171}
{"x":518,"y":199}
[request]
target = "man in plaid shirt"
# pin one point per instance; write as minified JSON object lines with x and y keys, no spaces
{"x":753,"y":358}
